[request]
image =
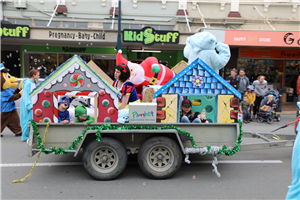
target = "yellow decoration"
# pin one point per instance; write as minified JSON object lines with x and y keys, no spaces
{"x":170,"y":108}
{"x":196,"y":102}
{"x":38,"y":157}
{"x":224,"y":109}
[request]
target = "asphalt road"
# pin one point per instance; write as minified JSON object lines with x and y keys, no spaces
{"x":260,"y":174}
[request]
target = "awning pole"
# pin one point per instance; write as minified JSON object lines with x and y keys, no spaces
{"x":52,"y":15}
{"x":265,"y":19}
{"x":187,"y":20}
{"x":202,"y":18}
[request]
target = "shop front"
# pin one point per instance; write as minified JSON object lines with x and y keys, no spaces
{"x":274,"y":54}
{"x":51,"y":47}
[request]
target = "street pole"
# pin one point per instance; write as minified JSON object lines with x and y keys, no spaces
{"x":119,"y":44}
{"x":2,"y":14}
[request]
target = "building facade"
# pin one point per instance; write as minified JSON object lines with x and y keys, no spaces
{"x":32,"y":34}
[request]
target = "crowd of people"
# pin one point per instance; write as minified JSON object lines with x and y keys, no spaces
{"x":252,"y":92}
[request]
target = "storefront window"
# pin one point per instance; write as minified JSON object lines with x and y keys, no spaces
{"x":11,"y":61}
{"x":292,"y":71}
{"x":64,"y":57}
{"x":272,"y":69}
{"x":24,"y":22}
{"x":104,"y":62}
{"x":47,"y":61}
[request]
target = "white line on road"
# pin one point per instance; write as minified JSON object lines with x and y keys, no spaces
{"x":193,"y":162}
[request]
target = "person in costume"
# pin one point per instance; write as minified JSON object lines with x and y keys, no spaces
{"x":124,"y":86}
{"x":63,"y":113}
{"x":82,"y":116}
{"x":294,"y":191}
{"x":26,"y":103}
{"x":9,"y":114}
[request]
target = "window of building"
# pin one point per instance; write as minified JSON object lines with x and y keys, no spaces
{"x":11,"y":61}
{"x":136,"y":26}
{"x":167,"y":28}
{"x":69,"y":24}
{"x":107,"y":25}
{"x":13,"y":21}
{"x":155,"y":27}
{"x":24,"y":22}
{"x":124,"y":26}
{"x":81,"y":24}
{"x":41,"y":23}
{"x":48,"y":62}
{"x":54,"y":23}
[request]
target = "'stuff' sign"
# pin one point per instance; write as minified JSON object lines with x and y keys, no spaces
{"x":148,"y":36}
{"x":14,"y":31}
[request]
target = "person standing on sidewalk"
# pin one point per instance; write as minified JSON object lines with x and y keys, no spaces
{"x":243,"y":82}
{"x":251,"y":98}
{"x":260,"y":89}
{"x":298,"y":88}
{"x":233,"y":80}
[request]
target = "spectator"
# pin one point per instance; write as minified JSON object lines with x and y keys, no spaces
{"x":254,"y":76}
{"x":244,"y":108}
{"x":112,"y":74}
{"x":298,"y":88}
{"x":233,"y":80}
{"x":251,"y":98}
{"x":243,"y":82}
{"x":260,"y":89}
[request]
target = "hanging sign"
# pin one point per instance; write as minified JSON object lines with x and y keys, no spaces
{"x":148,"y":36}
{"x":14,"y":31}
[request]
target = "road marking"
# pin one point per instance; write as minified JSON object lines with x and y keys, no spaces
{"x":193,"y":162}
{"x":240,"y":162}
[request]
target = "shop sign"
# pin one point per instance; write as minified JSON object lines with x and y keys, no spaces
{"x":14,"y":31}
{"x":79,"y":35}
{"x":74,"y":49}
{"x":263,"y":38}
{"x":148,"y":36}
{"x":269,"y":53}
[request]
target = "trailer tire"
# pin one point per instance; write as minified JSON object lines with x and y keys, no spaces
{"x":159,"y":157}
{"x":105,"y":160}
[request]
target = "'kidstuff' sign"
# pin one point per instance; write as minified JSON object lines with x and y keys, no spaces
{"x":14,"y":31}
{"x":148,"y":36}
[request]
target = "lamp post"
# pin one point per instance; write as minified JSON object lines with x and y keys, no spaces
{"x":119,"y":42}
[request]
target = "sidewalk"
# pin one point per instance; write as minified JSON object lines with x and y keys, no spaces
{"x":289,"y":107}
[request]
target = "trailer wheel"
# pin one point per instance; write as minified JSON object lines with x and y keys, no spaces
{"x":159,"y":157}
{"x":105,"y":160}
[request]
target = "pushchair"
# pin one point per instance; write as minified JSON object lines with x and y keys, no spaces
{"x":269,"y":114}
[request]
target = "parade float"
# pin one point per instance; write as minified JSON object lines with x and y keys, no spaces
{"x":153,"y":132}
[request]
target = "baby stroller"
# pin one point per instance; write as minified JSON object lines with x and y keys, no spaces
{"x":270,"y":114}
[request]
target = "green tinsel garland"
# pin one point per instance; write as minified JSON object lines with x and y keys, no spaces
{"x":56,"y":150}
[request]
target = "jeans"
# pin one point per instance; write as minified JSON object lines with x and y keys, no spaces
{"x":185,"y":119}
{"x":246,"y":115}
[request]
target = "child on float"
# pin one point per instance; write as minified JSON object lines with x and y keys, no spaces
{"x":63,"y":113}
{"x":244,"y":108}
{"x":268,"y":103}
{"x":251,"y":98}
{"x":186,"y":115}
{"x":26,"y":103}
{"x":124,"y":86}
{"x":82,"y":116}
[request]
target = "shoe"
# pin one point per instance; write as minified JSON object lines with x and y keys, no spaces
{"x":24,"y":140}
{"x":245,"y":122}
{"x":251,"y":120}
{"x":248,"y":121}
{"x":18,"y":134}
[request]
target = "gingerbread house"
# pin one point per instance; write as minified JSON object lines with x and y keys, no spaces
{"x":207,"y":91}
{"x":75,"y":78}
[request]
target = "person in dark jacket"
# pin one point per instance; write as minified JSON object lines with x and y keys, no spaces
{"x":233,"y":80}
